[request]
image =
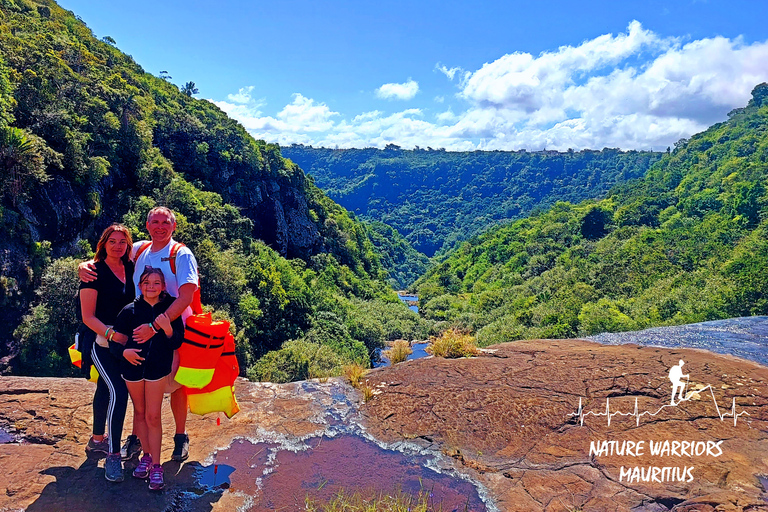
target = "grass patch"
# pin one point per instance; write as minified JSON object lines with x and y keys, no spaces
{"x":452,"y":343}
{"x":354,"y":373}
{"x":366,"y":390}
{"x":399,"y":352}
{"x":357,"y":502}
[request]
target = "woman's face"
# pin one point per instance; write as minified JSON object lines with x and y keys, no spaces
{"x":117,"y":245}
{"x":151,"y":286}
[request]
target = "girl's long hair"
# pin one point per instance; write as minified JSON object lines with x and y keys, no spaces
{"x":101,"y":246}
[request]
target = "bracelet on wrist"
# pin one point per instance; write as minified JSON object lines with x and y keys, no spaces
{"x":152,"y":327}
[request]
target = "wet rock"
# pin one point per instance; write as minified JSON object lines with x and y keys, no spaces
{"x":508,"y":421}
{"x":50,"y":420}
{"x":511,"y":418}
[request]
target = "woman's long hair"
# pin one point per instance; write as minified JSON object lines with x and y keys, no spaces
{"x":101,"y":246}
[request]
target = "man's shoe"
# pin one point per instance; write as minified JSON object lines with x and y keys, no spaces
{"x":131,"y":448}
{"x":97,"y":446}
{"x":180,"y":447}
{"x":156,"y":482}
{"x":145,"y":464}
{"x":113,"y":468}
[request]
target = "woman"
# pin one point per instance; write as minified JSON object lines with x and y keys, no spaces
{"x":100,"y":302}
{"x":146,"y":366}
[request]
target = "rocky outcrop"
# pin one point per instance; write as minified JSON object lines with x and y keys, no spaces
{"x":281,"y":218}
{"x":511,"y":418}
{"x":509,"y":421}
{"x":49,"y":419}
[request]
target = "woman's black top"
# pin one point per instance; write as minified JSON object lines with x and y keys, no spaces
{"x":158,"y":350}
{"x":113,"y":294}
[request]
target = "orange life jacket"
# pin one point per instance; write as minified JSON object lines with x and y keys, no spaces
{"x":201,"y":349}
{"x":219,"y":394}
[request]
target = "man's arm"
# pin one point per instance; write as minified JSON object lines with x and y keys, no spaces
{"x":182,"y":302}
{"x":86,"y":271}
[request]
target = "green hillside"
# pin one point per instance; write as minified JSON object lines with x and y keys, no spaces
{"x":437,"y":199}
{"x":87,"y":138}
{"x":687,"y":243}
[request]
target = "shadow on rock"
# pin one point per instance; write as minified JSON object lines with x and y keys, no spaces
{"x":85,"y":489}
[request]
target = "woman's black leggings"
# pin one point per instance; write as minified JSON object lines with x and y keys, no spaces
{"x":112,"y":403}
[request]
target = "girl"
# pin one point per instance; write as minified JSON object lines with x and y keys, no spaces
{"x":146,"y":366}
{"x":100,"y":302}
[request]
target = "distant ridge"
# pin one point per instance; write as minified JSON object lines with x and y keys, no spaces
{"x":438,"y":198}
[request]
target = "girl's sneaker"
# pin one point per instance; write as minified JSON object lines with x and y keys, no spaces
{"x":156,"y":478}
{"x":145,"y":464}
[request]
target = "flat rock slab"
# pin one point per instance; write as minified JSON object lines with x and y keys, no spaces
{"x":512,"y":419}
{"x":46,"y":468}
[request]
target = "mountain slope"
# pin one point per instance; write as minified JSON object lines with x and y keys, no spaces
{"x":88,"y":138}
{"x":687,"y":243}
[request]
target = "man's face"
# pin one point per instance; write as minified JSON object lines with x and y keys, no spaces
{"x":160,"y":227}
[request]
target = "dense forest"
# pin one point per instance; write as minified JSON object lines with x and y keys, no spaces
{"x":686,"y":243}
{"x":435,"y":198}
{"x":88,"y":138}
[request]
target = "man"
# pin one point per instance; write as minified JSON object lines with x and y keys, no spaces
{"x":161,"y":223}
{"x":675,"y":375}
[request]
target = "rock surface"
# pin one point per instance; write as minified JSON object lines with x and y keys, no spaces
{"x":49,"y":470}
{"x":507,"y":420}
{"x":510,"y":418}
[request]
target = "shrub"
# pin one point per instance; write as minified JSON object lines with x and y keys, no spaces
{"x":399,"y":352}
{"x":296,"y":360}
{"x":451,"y":344}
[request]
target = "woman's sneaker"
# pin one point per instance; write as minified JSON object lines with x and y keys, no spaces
{"x":180,"y":447}
{"x":156,"y":478}
{"x":131,"y":448}
{"x":97,"y":446}
{"x":145,"y":464}
{"x":113,"y":468}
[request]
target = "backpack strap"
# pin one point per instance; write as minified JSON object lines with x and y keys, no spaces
{"x":144,"y":247}
{"x":172,"y":256}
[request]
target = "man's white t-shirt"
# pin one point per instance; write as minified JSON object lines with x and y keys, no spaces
{"x":186,"y":268}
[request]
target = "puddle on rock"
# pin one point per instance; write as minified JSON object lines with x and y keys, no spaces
{"x":5,"y":437}
{"x":280,"y":479}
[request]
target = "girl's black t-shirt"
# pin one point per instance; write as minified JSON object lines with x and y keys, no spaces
{"x":113,"y":294}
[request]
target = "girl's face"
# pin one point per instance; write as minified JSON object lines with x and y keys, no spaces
{"x":117,"y":245}
{"x":151,"y":286}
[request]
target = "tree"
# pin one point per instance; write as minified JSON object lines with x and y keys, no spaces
{"x":21,"y":163}
{"x":189,"y":89}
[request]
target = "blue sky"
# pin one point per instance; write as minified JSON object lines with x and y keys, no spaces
{"x":457,"y":75}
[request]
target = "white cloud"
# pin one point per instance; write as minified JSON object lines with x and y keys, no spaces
{"x":406,"y":91}
{"x":242,"y":96}
{"x":450,"y":73}
{"x":634,"y":90}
